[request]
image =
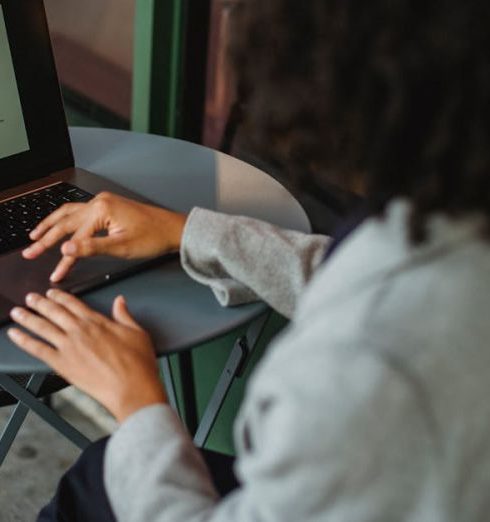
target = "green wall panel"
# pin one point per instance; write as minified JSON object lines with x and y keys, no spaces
{"x":157,"y":66}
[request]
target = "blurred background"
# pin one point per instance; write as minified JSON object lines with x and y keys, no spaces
{"x":103,"y":49}
{"x":160,"y":66}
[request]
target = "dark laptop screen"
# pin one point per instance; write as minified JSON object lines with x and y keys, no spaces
{"x":34,"y":141}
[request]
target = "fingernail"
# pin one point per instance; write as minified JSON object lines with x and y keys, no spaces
{"x":30,"y":298}
{"x":16,"y":313}
{"x":54,"y":277}
{"x":33,"y":233}
{"x":13,"y":333}
{"x":51,"y":293}
{"x":30,"y":250}
{"x":69,"y":248}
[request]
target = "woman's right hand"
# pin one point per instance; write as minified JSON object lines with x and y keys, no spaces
{"x":134,"y":230}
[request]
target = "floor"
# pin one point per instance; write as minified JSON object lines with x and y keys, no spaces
{"x":37,"y":460}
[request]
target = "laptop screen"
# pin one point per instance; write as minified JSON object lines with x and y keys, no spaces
{"x":13,"y":134}
{"x":34,"y":140}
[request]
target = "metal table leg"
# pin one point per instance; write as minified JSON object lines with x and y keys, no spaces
{"x":189,"y":403}
{"x":48,"y":415}
{"x":17,"y":417}
{"x":168,"y":379}
{"x":234,"y":367}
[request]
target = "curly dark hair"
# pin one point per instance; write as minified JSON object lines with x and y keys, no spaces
{"x":392,"y":94}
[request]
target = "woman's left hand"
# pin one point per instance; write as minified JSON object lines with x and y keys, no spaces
{"x":111,"y":360}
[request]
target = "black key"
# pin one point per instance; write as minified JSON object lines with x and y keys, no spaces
{"x":20,"y":215}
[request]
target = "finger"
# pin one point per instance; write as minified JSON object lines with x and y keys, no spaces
{"x":37,"y":325}
{"x":62,"y":268}
{"x":92,"y":246}
{"x":67,"y":261}
{"x":74,"y":305}
{"x":121,"y":314}
{"x":66,"y":226}
{"x":54,"y":312}
{"x":34,"y":347}
{"x":53,"y":218}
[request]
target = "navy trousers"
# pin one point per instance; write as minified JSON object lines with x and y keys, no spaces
{"x":81,"y":496}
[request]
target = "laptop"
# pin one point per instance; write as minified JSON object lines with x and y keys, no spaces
{"x":37,"y":171}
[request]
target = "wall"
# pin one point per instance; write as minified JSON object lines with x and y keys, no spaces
{"x":93,"y":46}
{"x":104,"y":27}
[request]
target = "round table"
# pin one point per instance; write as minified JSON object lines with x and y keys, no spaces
{"x":178,"y":312}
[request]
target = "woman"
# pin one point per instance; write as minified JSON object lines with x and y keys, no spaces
{"x":373,"y":404}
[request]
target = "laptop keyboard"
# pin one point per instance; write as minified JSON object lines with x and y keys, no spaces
{"x":18,"y":216}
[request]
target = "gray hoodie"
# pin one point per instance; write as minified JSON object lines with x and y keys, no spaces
{"x":371,"y":406}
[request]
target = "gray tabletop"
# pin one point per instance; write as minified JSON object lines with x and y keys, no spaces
{"x":178,"y":312}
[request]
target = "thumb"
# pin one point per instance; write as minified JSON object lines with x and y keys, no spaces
{"x":121,"y":314}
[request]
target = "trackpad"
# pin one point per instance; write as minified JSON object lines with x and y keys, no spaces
{"x":18,"y":276}
{"x":5,"y":306}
